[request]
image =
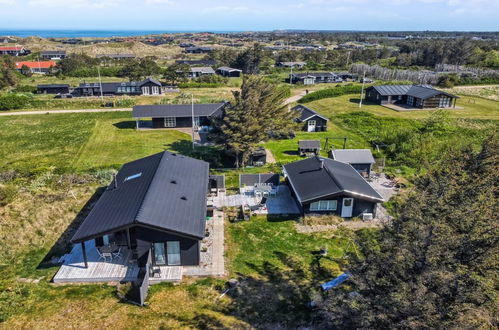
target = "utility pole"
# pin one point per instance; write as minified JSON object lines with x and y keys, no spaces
{"x":362,"y":92}
{"x":192,"y":113}
{"x":291,"y":76}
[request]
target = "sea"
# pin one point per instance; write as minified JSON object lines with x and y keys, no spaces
{"x":90,"y":33}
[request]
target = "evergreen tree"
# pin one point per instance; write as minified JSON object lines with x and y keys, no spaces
{"x":257,"y":113}
{"x":436,"y":264}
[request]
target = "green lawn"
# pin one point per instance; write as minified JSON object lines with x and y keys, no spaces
{"x":472,"y":108}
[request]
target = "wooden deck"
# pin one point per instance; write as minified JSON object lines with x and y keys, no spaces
{"x":118,"y":270}
{"x":73,"y":269}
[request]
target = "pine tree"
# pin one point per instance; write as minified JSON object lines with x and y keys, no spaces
{"x":258,"y":112}
{"x":436,"y":264}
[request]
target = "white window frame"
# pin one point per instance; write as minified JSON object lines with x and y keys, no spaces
{"x":170,"y":122}
{"x":155,"y":90}
{"x":324,"y":205}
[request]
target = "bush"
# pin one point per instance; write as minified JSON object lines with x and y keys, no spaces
{"x":7,"y":194}
{"x":25,"y":89}
{"x":13,"y":101}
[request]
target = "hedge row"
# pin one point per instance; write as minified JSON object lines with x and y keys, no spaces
{"x":331,"y":92}
{"x":200,"y":85}
{"x":13,"y":101}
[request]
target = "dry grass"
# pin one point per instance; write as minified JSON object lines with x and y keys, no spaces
{"x":322,"y":220}
{"x":490,"y":92}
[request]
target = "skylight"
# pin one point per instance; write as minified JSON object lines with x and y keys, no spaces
{"x":131,"y":177}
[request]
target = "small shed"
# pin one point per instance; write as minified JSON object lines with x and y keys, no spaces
{"x":309,"y":147}
{"x":360,"y":159}
{"x":311,"y":120}
{"x":228,"y":72}
{"x":258,"y":157}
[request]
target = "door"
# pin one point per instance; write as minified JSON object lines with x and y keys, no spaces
{"x":173,"y":250}
{"x":145,"y":90}
{"x":311,"y":126}
{"x":347,"y":208}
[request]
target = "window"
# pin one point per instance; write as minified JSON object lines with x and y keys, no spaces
{"x":131,"y":177}
{"x":159,"y":254}
{"x":197,"y":122}
{"x":155,"y":90}
{"x":173,"y":252}
{"x":328,"y":205}
{"x":170,"y":122}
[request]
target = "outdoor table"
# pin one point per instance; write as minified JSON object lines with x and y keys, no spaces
{"x":109,"y":248}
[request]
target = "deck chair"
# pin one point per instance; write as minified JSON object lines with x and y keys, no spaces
{"x":118,"y":253}
{"x":104,"y":255}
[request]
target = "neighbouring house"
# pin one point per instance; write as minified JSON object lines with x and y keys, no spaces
{"x":177,"y":115}
{"x":258,"y":157}
{"x":198,"y":50}
{"x":146,"y":227}
{"x":197,"y":62}
{"x":314,"y":78}
{"x":347,"y":76}
{"x":6,"y":40}
{"x":309,"y":147}
{"x":361,"y":160}
{"x":228,"y":72}
{"x":326,"y":186}
{"x":147,"y":86}
{"x":40,"y":67}
{"x":14,"y":50}
{"x":53,"y":89}
{"x":115,"y":56}
{"x":53,"y":54}
{"x":201,"y":71}
{"x":298,"y":65}
{"x":311,"y":120}
{"x":414,"y":96}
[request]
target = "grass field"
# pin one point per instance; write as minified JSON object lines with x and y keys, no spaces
{"x":472,"y":108}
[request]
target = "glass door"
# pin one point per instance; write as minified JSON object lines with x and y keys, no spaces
{"x":173,"y":250}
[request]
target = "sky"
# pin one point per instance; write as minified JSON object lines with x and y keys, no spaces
{"x":251,"y":15}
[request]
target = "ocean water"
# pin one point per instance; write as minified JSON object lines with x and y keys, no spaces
{"x":89,"y":33}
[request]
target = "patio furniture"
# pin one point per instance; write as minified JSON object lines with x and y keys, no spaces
{"x":103,"y":255}
{"x":153,"y":271}
{"x":117,"y":254}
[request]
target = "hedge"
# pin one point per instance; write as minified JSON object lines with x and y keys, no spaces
{"x":331,"y":92}
{"x":13,"y":101}
{"x":200,"y":85}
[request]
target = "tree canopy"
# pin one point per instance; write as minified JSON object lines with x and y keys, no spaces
{"x":436,"y":265}
{"x":257,"y":114}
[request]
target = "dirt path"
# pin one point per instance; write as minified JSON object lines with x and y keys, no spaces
{"x":45,"y":112}
{"x":294,"y":98}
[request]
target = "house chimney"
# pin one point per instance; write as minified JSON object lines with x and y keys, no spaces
{"x":115,"y":181}
{"x":321,"y":163}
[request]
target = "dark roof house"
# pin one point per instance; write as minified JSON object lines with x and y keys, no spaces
{"x":148,"y":86}
{"x":314,"y":78}
{"x":178,"y":115}
{"x":326,"y":186}
{"x":197,"y":62}
{"x":412,"y":96}
{"x":312,"y":121}
{"x":201,"y":71}
{"x":228,"y":72}
{"x":53,"y":89}
{"x":53,"y":54}
{"x":153,"y":204}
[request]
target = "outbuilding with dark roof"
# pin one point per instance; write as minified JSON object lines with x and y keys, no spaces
{"x":326,"y":186}
{"x":311,"y":120}
{"x":158,"y":204}
{"x":309,"y":147}
{"x":361,"y":160}
{"x":225,"y":71}
{"x":415,"y":96}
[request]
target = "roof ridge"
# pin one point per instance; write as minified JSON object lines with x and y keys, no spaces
{"x":148,"y":188}
{"x":331,"y":174}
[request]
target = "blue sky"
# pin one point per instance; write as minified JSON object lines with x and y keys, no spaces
{"x":238,"y":15}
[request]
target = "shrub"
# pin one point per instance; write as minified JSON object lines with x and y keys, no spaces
{"x":15,"y":101}
{"x":7,"y":194}
{"x":25,"y":89}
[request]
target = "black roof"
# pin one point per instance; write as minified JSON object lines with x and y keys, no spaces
{"x":353,"y":156}
{"x":309,"y":144}
{"x":228,"y":69}
{"x":165,"y":191}
{"x":306,"y":113}
{"x":112,"y":87}
{"x":53,"y":52}
{"x":177,"y":110}
{"x":53,"y":86}
{"x":251,"y":179}
{"x":310,"y":180}
{"x":314,"y":74}
{"x":419,"y":91}
{"x":197,"y":62}
{"x":217,"y":181}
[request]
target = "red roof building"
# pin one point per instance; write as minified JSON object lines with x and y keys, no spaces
{"x":36,"y":66}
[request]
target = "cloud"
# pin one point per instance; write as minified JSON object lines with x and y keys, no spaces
{"x":7,"y":2}
{"x":227,"y":9}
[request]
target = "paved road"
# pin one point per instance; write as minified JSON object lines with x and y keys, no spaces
{"x":44,"y":112}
